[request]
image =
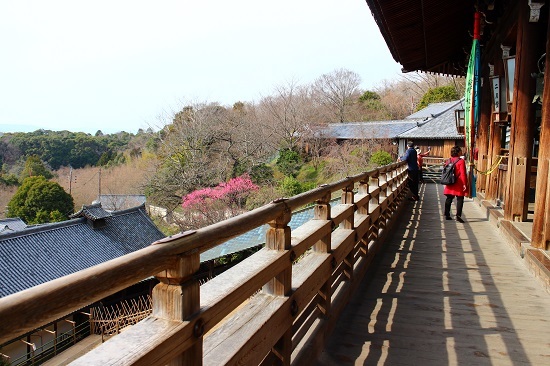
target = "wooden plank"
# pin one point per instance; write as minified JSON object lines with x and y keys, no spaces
{"x":341,"y":212}
{"x":362,"y":225}
{"x":444,"y":282}
{"x":305,"y":236}
{"x":152,"y":341}
{"x":343,"y":241}
{"x":224,"y":293}
{"x":362,"y":200}
{"x":249,"y":336}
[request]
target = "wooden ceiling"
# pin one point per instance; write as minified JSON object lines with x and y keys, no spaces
{"x":431,"y":35}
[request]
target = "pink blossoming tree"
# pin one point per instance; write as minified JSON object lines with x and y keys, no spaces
{"x":209,"y":205}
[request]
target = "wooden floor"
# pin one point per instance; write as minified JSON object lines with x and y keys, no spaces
{"x":445,"y":293}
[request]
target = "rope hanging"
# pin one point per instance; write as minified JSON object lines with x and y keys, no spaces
{"x":492,"y":169}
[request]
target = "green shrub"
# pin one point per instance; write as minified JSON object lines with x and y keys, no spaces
{"x":440,"y":94}
{"x":381,"y":158}
{"x":261,"y":174}
{"x":289,"y":162}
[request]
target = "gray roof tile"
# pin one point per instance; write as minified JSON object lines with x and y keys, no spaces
{"x":434,"y":110}
{"x":11,"y":225}
{"x":42,"y":253}
{"x":257,"y":236}
{"x":440,"y":127}
{"x":368,"y":130}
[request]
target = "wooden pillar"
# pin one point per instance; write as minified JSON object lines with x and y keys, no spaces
{"x":523,"y":117}
{"x":495,"y":140}
{"x":177,"y":297}
{"x":278,"y":238}
{"x":482,"y":139}
{"x":541,"y":222}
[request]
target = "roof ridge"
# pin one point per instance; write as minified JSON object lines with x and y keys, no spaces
{"x":32,"y":229}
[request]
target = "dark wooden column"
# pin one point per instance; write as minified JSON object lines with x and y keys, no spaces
{"x":482,"y":138}
{"x":541,"y":222}
{"x":495,"y":137}
{"x":523,"y":116}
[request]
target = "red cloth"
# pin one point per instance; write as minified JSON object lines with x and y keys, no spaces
{"x":420,"y":158}
{"x":459,"y":186}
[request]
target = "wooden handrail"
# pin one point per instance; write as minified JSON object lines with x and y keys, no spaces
{"x":342,"y":243}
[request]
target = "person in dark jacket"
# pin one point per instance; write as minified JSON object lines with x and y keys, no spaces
{"x":412,"y":170}
{"x":459,"y":188}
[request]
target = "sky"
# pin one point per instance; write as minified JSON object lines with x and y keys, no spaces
{"x":122,"y":65}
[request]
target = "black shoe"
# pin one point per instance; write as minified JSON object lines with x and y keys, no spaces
{"x":413,"y":199}
{"x":459,"y":219}
{"x":448,"y":217}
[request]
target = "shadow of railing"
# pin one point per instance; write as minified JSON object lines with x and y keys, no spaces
{"x":433,"y":298}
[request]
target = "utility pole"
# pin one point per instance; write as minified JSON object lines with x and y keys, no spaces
{"x":70,"y":179}
{"x":99,"y":185}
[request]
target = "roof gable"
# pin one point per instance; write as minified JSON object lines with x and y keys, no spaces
{"x":440,"y":127}
{"x":435,"y":109}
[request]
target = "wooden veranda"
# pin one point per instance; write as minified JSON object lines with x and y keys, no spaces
{"x":279,"y":305}
{"x":444,"y":293}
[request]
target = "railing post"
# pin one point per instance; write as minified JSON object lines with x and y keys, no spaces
{"x":363,"y":189}
{"x":322,"y":212}
{"x":278,"y":238}
{"x":348,"y":223}
{"x":383,"y":180}
{"x":176,"y":297}
{"x":374,"y":202}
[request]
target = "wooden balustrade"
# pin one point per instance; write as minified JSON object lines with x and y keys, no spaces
{"x":278,"y":305}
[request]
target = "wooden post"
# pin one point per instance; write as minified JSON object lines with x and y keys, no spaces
{"x":374,"y":202}
{"x":347,"y":198}
{"x":541,"y":221}
{"x":482,"y":140}
{"x":278,"y":238}
{"x":382,"y":179}
{"x":322,"y":212}
{"x":348,"y":223}
{"x":523,"y":116}
{"x":363,"y":189}
{"x":177,"y":297}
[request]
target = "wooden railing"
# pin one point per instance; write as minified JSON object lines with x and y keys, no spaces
{"x":432,"y":168}
{"x":278,"y":305}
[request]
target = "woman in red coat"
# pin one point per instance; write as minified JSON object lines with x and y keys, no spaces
{"x":459,"y":187}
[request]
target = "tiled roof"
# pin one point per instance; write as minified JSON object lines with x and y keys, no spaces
{"x":368,"y":130}
{"x":92,"y":212}
{"x":11,"y":225}
{"x":434,"y":110}
{"x":43,"y":253}
{"x":257,"y":236}
{"x":440,"y":127}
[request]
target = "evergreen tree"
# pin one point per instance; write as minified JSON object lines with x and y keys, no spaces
{"x":40,"y":201}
